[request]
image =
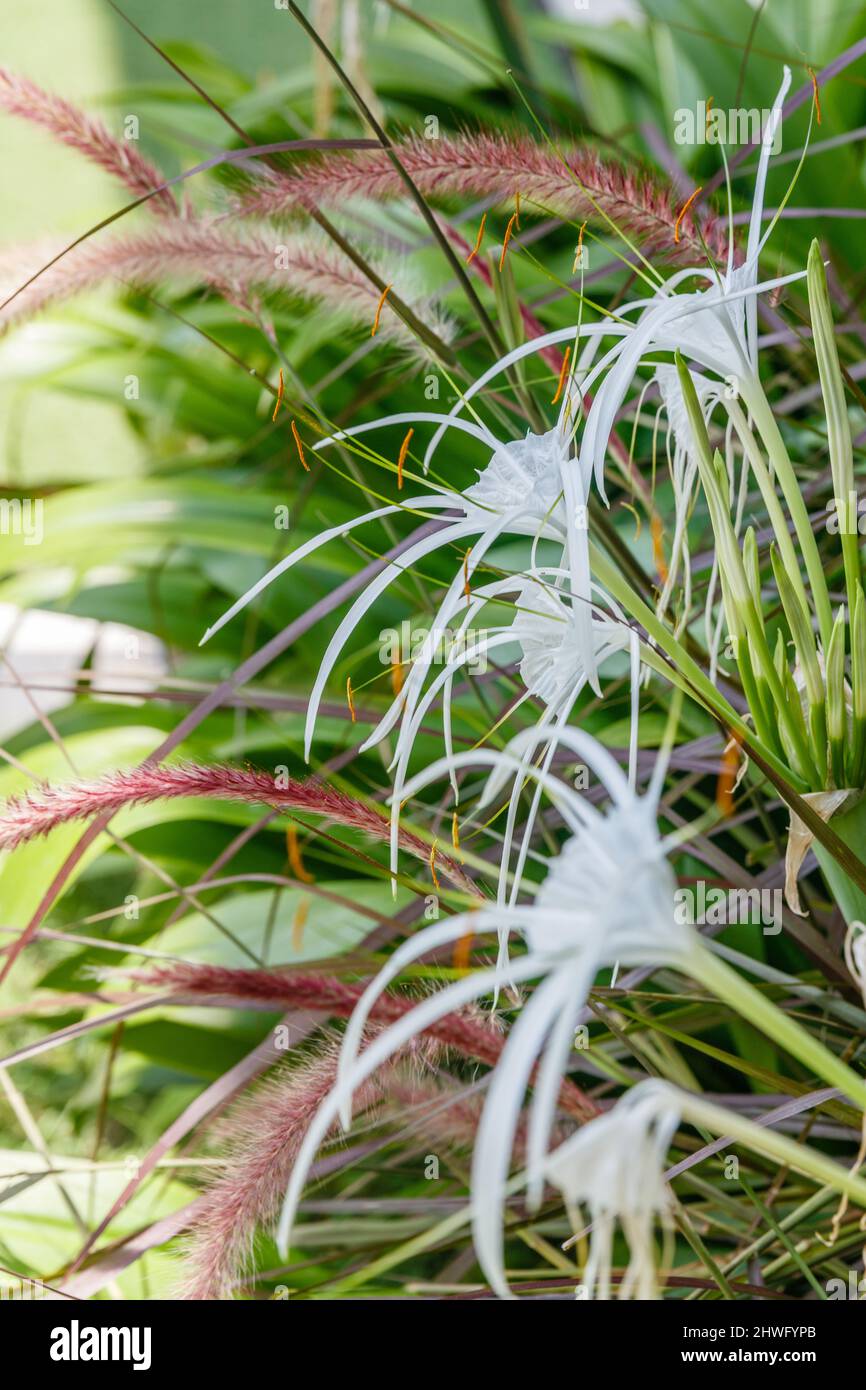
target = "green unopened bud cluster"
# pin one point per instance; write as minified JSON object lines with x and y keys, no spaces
{"x":810,"y":712}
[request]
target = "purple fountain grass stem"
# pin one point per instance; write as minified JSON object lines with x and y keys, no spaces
{"x":105,"y":1266}
{"x":835,"y":142}
{"x":795,"y":400}
{"x":39,"y":811}
{"x":113,"y":1261}
{"x":224,"y":857}
{"x":253,"y":700}
{"x":197,"y":253}
{"x":21,"y":97}
{"x":797,"y":1106}
{"x":44,"y":1043}
{"x":338,"y":998}
{"x":120,"y":158}
{"x":802,"y":214}
{"x":206,"y":881}
{"x":497,"y":166}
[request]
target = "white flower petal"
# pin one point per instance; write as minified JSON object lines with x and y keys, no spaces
{"x":457,"y":531}
{"x":495,"y":1138}
{"x":288,"y":561}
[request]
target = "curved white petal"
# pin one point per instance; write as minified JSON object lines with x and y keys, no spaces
{"x":433,"y":500}
{"x":527,"y":349}
{"x":407,"y":699}
{"x":430,"y":939}
{"x":411,"y":417}
{"x":551,"y":1071}
{"x":768,"y":140}
{"x":495,"y":1138}
{"x":398,"y":791}
{"x":457,"y":531}
{"x":505,"y":763}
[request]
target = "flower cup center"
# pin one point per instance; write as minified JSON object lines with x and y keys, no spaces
{"x":523,"y":475}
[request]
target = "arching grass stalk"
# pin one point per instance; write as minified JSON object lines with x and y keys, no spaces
{"x":778,"y":1147}
{"x":716,"y":975}
{"x":613,"y":1169}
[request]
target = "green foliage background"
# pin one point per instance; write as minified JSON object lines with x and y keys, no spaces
{"x":160,"y":510}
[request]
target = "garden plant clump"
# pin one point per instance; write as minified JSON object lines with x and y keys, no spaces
{"x":439,"y":870}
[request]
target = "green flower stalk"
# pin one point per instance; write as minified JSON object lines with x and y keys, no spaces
{"x":836,"y":717}
{"x":777,"y":1147}
{"x":717,"y":976}
{"x":858,"y":689}
{"x":807,"y":655}
{"x":838,"y":427}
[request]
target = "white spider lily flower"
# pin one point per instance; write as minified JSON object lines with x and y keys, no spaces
{"x":709,"y":326}
{"x":552,"y":659}
{"x":715,"y":325}
{"x":554,"y":669}
{"x":528,"y":488}
{"x":519,"y":492}
{"x":607,"y":897}
{"x":614,"y":1168}
{"x":551,"y":654}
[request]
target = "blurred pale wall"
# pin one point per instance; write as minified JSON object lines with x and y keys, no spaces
{"x":68,"y":46}
{"x":83,"y":51}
